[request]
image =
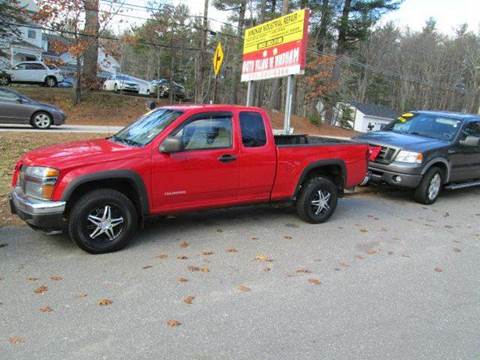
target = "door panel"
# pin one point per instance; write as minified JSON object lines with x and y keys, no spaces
{"x":257,"y":160}
{"x":205,"y":173}
{"x":465,"y":159}
{"x":11,"y":111}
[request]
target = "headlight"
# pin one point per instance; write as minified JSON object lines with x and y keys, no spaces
{"x":409,"y":157}
{"x":38,"y":182}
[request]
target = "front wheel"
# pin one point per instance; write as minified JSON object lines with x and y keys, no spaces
{"x":4,"y":80}
{"x":317,"y":200}
{"x":42,"y":120}
{"x":103,"y":221}
{"x":429,"y":189}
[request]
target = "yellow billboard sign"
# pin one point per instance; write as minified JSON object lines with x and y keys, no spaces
{"x":276,"y":32}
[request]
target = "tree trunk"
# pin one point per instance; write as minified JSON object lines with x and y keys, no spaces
{"x":92,"y":27}
{"x":201,"y":66}
{"x":77,"y":98}
{"x":323,"y":31}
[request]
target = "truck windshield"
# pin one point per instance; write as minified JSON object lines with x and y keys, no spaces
{"x":427,"y":125}
{"x":145,"y":129}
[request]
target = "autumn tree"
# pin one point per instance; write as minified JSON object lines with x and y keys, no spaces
{"x":11,"y":16}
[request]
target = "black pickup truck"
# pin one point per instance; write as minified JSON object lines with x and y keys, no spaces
{"x":425,"y":151}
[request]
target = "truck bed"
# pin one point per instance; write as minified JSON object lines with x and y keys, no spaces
{"x":303,"y":139}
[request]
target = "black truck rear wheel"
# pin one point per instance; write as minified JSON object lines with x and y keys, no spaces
{"x":102,"y":221}
{"x":317,"y":200}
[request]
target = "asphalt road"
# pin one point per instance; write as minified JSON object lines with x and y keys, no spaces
{"x":398,"y":281}
{"x":61,"y":129}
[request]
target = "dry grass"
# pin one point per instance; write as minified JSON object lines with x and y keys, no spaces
{"x":12,"y":147}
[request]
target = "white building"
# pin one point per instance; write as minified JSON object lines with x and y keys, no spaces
{"x":367,"y":117}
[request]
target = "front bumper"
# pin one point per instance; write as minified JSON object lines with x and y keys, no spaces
{"x":40,"y":214}
{"x":396,"y":174}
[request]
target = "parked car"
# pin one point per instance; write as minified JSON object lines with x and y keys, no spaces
{"x":164,"y":88}
{"x":32,"y":72}
{"x":178,"y":159}
{"x":16,"y":108}
{"x":121,"y":82}
{"x":425,"y":151}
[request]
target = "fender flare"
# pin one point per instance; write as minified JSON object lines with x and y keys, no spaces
{"x":131,"y":176}
{"x":320,"y":164}
{"x":434,"y":161}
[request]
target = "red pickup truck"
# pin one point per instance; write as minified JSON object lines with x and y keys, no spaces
{"x":175,"y":159}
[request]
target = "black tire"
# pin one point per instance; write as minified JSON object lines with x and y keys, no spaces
{"x":424,"y":193}
{"x":41,"y":120}
{"x":5,"y":80}
{"x":51,"y":81}
{"x":115,"y":88}
{"x":311,"y":192}
{"x":82,"y":230}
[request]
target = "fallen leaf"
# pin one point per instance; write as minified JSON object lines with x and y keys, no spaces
{"x":82,"y":295}
{"x":344,"y":264}
{"x":3,"y":245}
{"x":32,"y":279}
{"x":182,"y":280}
{"x":254,"y":238}
{"x":41,"y":290}
{"x":302,"y":270}
{"x":337,"y":269}
{"x":162,"y":256}
{"x":56,"y":278}
{"x":188,"y":300}
{"x":232,"y":250}
{"x":287,"y":237}
{"x":193,"y":268}
{"x":46,"y":309}
{"x":457,"y":250}
{"x":292,"y":225}
{"x":363,"y":230}
{"x":390,"y":253}
{"x":182,"y":257}
{"x":219,"y":230}
{"x":314,"y":281}
{"x":405,"y":255}
{"x":184,"y":244}
{"x":263,"y":258}
{"x":16,"y":340}
{"x":437,"y":269}
{"x":205,"y":269}
{"x":173,"y":323}
{"x":359,"y":257}
{"x":105,"y":302}
{"x":371,"y":251}
{"x":207,"y":253}
{"x":243,"y":288}
{"x":267,"y":269}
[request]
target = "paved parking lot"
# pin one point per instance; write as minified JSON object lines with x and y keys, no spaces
{"x":386,"y":278}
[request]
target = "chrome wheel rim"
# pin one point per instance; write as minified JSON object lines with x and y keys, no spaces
{"x":42,"y":121}
{"x":50,"y":82}
{"x":434,"y":186}
{"x":321,"y":202}
{"x":105,"y":223}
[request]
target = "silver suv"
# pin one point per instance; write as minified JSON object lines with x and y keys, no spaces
{"x":33,"y":72}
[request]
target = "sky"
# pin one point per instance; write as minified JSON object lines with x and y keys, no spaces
{"x":412,"y":13}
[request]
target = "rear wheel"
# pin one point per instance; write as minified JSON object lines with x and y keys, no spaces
{"x":430,"y":186}
{"x":4,"y":80}
{"x":42,"y":120}
{"x":115,"y":88}
{"x":51,"y":81}
{"x":103,"y":221}
{"x":317,"y":200}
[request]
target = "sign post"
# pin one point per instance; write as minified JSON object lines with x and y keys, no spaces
{"x":277,"y":48}
{"x":217,"y":67}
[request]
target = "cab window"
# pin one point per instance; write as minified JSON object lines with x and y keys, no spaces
{"x":206,"y":133}
{"x":253,"y":129}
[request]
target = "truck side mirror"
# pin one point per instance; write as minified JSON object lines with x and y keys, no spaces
{"x":471,"y":141}
{"x":171,"y":145}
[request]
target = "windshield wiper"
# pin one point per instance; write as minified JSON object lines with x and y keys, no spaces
{"x":125,"y":141}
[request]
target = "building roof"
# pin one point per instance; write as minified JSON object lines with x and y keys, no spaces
{"x":374,"y":110}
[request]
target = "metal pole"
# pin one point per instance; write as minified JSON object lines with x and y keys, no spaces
{"x":215,"y":89}
{"x":288,"y":106}
{"x":249,"y":93}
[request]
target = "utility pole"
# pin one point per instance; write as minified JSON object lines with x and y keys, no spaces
{"x":276,"y":96}
{"x":201,"y":68}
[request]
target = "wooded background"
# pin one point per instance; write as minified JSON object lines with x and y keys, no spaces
{"x":350,"y":56}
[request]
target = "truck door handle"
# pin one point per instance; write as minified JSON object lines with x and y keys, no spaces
{"x":451,"y":151}
{"x":226,"y":158}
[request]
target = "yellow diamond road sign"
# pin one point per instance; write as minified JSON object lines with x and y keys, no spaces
{"x":218,"y":59}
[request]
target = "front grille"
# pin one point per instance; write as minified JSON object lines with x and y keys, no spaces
{"x":386,"y":154}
